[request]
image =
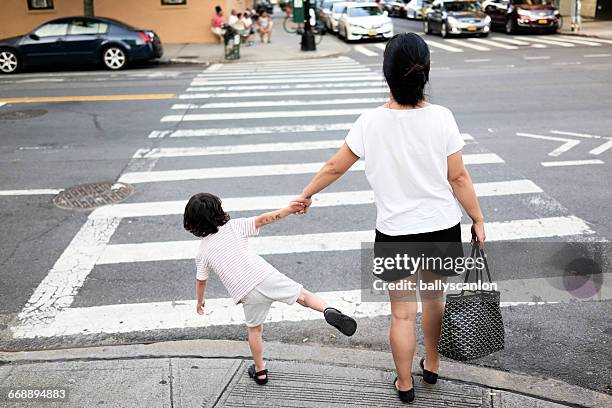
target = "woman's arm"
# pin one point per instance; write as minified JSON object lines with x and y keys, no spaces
{"x":200,"y":290}
{"x":333,"y":169}
{"x":462,"y":186}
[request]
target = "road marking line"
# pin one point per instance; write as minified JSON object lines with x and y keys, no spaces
{"x":363,"y":50}
{"x":41,"y":191}
{"x":261,"y":104}
{"x":345,"y":91}
{"x":263,"y":115}
{"x":258,"y":130}
{"x":381,"y":46}
{"x":443,"y":46}
{"x":477,"y":60}
{"x":494,"y":44}
{"x":208,"y":173}
{"x":89,"y":98}
{"x":259,"y":74}
{"x":549,"y":42}
{"x":336,"y":241}
{"x":290,"y":63}
{"x":567,"y":63}
{"x":200,"y":81}
{"x":236,"y":149}
{"x":511,"y":41}
{"x":214,"y":68}
{"x":576,"y":41}
{"x":269,"y":87}
{"x":540,"y":57}
{"x":599,"y":150}
{"x":571,"y":163}
{"x":467,"y":44}
{"x":586,"y":135}
{"x":2,"y":103}
{"x":368,"y":77}
{"x":567,"y":145}
{"x":597,"y":55}
{"x":467,"y":136}
{"x":262,"y":203}
{"x":571,"y":37}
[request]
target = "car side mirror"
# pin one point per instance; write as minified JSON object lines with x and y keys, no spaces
{"x":34,"y":37}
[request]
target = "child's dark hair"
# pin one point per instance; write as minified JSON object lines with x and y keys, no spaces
{"x":406,"y":68}
{"x":204,"y":215}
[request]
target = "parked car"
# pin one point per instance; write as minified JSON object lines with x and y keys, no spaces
{"x":337,"y":10}
{"x":79,"y":40}
{"x":415,"y":9}
{"x":395,"y":8}
{"x":325,"y":13}
{"x":455,"y":17}
{"x":523,"y":15}
{"x":364,"y":20}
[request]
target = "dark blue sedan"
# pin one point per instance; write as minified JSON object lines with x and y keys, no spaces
{"x":80,"y":40}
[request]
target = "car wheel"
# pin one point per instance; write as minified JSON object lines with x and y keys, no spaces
{"x":510,"y":26}
{"x":9,"y":61}
{"x":444,"y":30}
{"x":426,"y":28}
{"x":114,"y":58}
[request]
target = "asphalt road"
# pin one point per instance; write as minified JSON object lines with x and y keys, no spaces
{"x":553,"y":91}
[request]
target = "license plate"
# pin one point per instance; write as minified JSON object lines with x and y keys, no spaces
{"x":543,"y":21}
{"x":471,"y":28}
{"x":372,"y":32}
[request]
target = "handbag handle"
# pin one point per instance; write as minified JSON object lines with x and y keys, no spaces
{"x":479,"y":271}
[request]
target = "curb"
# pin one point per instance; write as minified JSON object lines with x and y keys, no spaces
{"x":536,"y":387}
{"x":224,"y":61}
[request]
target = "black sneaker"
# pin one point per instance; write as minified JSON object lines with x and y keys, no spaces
{"x":346,"y":324}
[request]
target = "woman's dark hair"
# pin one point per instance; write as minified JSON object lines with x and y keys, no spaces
{"x":217,"y":9}
{"x":204,"y":215}
{"x":406,"y":68}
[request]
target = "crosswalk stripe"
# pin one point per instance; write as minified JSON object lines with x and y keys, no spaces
{"x":40,"y":191}
{"x":264,"y":170}
{"x":261,"y":203}
{"x":263,"y":115}
{"x":493,"y":43}
{"x":337,"y":241}
{"x":443,"y":46}
{"x":236,"y":149}
{"x":563,"y":163}
{"x":285,"y":86}
{"x":341,"y":91}
{"x":296,"y":70}
{"x":381,"y":46}
{"x":549,"y":42}
{"x":511,"y":41}
{"x":363,"y":50}
{"x":352,"y":78}
{"x":467,"y":44}
{"x":576,"y":41}
{"x":319,"y":75}
{"x":571,"y":37}
{"x":294,"y":103}
{"x":258,"y":130}
{"x":290,"y":63}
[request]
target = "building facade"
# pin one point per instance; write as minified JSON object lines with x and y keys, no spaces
{"x":175,"y":21}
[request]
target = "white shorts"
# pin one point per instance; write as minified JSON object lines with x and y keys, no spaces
{"x":275,"y":288}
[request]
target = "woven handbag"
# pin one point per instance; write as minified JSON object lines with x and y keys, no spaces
{"x":472,"y":326}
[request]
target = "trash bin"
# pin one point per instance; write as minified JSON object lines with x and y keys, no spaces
{"x":231,"y":38}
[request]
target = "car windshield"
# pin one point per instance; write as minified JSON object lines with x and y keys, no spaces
{"x":339,"y":8}
{"x":365,"y":11}
{"x":462,"y":6}
{"x":533,"y":2}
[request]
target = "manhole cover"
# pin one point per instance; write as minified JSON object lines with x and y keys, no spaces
{"x":88,"y":196}
{"x":22,"y":114}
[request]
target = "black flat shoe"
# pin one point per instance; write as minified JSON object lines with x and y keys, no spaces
{"x":405,"y":396}
{"x":428,"y":376}
{"x":255,"y":375}
{"x":346,"y":324}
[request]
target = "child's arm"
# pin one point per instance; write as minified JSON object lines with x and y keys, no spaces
{"x":200,"y":290}
{"x":273,"y":216}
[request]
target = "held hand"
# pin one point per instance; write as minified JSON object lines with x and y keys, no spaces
{"x":305,"y":201}
{"x":200,"y":307}
{"x":295,"y":207}
{"x":478,"y":233}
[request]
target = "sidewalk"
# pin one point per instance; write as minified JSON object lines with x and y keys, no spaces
{"x":206,"y":373}
{"x":590,"y":28}
{"x":284,"y":46}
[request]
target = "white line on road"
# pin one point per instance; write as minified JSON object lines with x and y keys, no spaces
{"x":261,"y":203}
{"x":284,"y":86}
{"x":258,"y":130}
{"x":571,"y":163}
{"x":231,"y":77}
{"x":40,"y":191}
{"x":567,"y":63}
{"x":597,"y":55}
{"x":599,"y":150}
{"x":477,"y":60}
{"x":2,"y":103}
{"x":585,"y":135}
{"x":549,"y":42}
{"x":571,"y":37}
{"x":363,"y":50}
{"x":538,"y":57}
{"x":214,"y":68}
{"x":467,"y":45}
{"x":235,"y":149}
{"x":381,"y":46}
{"x":263,"y":115}
{"x":351,"y":78}
{"x":260,"y":104}
{"x":332,"y":68}
{"x":577,"y":41}
{"x":494,"y":44}
{"x":337,"y":241}
{"x":263,"y":170}
{"x":443,"y":46}
{"x":511,"y":41}
{"x":567,"y":145}
{"x":300,"y":92}
{"x":467,"y":136}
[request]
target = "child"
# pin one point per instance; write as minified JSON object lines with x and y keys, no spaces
{"x":248,"y":278}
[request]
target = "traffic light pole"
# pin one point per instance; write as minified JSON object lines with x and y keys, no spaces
{"x":308,"y":40}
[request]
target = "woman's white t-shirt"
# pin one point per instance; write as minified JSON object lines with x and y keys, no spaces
{"x":405,"y":154}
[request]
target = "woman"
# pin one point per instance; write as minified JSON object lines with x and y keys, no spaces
{"x":264,"y":24}
{"x":216,"y":24}
{"x":414,"y":165}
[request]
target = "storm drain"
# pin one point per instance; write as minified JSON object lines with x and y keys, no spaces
{"x":88,"y":196}
{"x":306,"y":385}
{"x":22,"y":114}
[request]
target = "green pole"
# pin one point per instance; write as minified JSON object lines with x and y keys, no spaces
{"x":88,"y":8}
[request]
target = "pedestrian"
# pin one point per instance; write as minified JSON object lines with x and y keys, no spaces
{"x":413,"y":161}
{"x":233,"y":18}
{"x":244,"y":27}
{"x":248,"y":278}
{"x":217,"y":23}
{"x":264,"y":24}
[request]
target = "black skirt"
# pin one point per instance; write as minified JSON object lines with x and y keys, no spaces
{"x":443,"y":245}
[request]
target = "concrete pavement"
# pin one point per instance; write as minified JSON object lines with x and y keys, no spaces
{"x":591,"y":28}
{"x":213,"y":373}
